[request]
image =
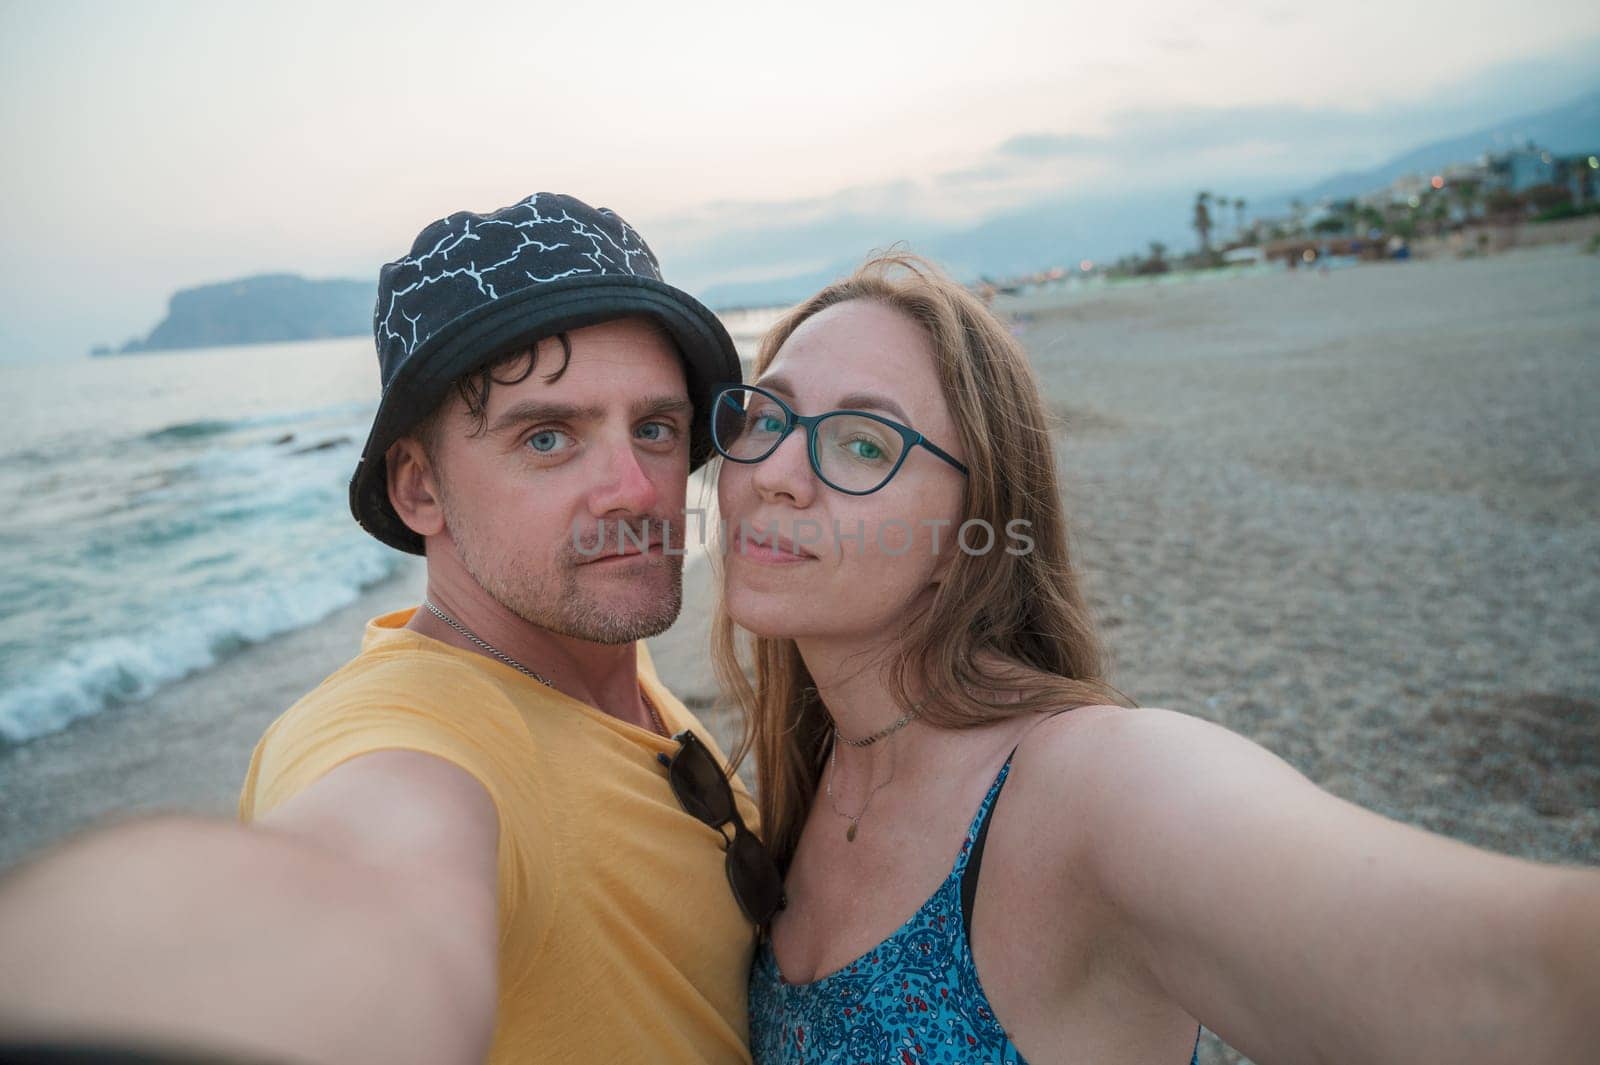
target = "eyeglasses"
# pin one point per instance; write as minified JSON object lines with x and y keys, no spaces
{"x":702,"y":790}
{"x":851,"y":451}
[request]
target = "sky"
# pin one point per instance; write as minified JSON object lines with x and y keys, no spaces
{"x":154,"y":146}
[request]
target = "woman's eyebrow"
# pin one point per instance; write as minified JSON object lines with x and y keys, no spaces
{"x":858,"y":400}
{"x":775,"y":384}
{"x":853,"y":401}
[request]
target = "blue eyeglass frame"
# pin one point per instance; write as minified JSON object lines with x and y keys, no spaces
{"x":908,"y":435}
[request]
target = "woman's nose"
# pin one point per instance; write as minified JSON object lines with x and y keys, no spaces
{"x":787,"y":473}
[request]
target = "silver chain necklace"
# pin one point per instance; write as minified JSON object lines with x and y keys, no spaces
{"x":486,"y":645}
{"x":518,"y":666}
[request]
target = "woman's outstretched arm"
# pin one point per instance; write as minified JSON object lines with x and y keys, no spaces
{"x":1303,"y":928}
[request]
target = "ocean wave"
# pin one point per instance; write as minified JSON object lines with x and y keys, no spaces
{"x":117,"y":670}
{"x":188,"y":430}
{"x":206,"y":427}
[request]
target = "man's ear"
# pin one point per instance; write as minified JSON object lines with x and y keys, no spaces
{"x":414,"y":487}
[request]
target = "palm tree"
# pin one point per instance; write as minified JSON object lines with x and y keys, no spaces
{"x":1156,"y":264}
{"x":1202,"y":221}
{"x":1238,"y":213}
{"x":1369,"y":218}
{"x":1345,"y":212}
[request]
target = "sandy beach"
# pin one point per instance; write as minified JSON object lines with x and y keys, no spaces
{"x":1352,"y":516}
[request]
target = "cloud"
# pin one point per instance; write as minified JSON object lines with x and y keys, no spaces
{"x":1042,"y":197}
{"x":1050,"y":145}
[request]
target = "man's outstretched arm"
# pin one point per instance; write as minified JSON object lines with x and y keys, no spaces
{"x":356,"y":923}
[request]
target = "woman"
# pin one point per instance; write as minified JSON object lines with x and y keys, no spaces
{"x":928,"y":702}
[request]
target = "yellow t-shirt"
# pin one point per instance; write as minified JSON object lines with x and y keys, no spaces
{"x":620,"y":940}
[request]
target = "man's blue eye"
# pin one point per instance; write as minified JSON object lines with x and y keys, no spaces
{"x":545,"y":440}
{"x":656,"y":431}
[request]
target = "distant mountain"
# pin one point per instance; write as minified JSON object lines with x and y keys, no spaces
{"x":1103,"y":226}
{"x":1013,"y":242}
{"x":779,"y":292}
{"x":1571,"y":129}
{"x":261,"y":309}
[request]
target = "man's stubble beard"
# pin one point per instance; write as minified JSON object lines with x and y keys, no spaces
{"x":560,"y":604}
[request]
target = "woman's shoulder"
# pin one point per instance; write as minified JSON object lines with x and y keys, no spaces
{"x":1092,"y":758}
{"x":1118,"y":731}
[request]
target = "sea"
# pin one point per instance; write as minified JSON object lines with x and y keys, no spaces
{"x":164,"y":510}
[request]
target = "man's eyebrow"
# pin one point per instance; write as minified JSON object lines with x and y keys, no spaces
{"x":655,"y":406}
{"x":538,"y":410}
{"x":854,"y":401}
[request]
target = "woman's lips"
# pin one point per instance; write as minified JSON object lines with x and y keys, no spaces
{"x":772,"y":549}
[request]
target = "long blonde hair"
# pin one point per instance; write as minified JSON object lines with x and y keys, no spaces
{"x":1005,"y":634}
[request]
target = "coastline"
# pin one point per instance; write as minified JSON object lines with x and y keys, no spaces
{"x":1348,"y":516}
{"x":186,"y":747}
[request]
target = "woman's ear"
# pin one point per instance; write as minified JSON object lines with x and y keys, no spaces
{"x":414,"y":487}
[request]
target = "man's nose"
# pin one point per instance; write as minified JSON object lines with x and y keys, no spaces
{"x":624,"y":487}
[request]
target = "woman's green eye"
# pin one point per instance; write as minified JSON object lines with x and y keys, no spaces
{"x":768,"y":423}
{"x":866,"y":449}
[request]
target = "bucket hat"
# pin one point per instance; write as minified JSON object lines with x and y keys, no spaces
{"x":477,"y":287}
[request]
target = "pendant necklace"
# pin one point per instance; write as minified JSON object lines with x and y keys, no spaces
{"x":833,"y":768}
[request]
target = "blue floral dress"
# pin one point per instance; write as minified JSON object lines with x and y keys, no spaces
{"x":914,"y":999}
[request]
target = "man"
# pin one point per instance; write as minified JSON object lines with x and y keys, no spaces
{"x":490,"y":775}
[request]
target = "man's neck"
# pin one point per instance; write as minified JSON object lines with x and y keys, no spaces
{"x":605,"y":676}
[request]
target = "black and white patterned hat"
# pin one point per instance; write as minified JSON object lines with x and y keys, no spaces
{"x":479,"y":286}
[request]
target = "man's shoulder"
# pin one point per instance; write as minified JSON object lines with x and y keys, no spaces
{"x":411,"y":699}
{"x":402,"y":686}
{"x":403,"y":674}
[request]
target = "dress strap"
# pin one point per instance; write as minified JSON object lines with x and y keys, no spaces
{"x":969,"y":875}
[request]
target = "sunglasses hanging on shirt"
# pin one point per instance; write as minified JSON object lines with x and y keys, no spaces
{"x":703,"y":791}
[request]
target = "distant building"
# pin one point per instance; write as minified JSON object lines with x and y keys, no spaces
{"x":1407,"y":188}
{"x":1581,"y":175}
{"x":1519,"y":169}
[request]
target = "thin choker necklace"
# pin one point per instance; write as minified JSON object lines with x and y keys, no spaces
{"x":518,"y":666}
{"x":883,"y":733}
